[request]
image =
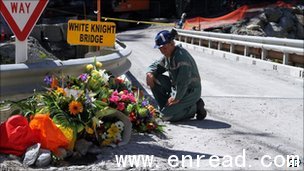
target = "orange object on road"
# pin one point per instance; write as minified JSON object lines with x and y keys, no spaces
{"x":16,"y":136}
{"x":51,"y":136}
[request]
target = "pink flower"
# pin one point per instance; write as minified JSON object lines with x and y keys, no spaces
{"x":124,"y":97}
{"x":120,"y":106}
{"x":131,"y":97}
{"x":115,"y":93}
{"x":114,"y":99}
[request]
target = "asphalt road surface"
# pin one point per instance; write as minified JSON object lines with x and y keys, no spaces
{"x":252,"y":113}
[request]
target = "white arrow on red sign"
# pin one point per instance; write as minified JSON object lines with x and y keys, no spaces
{"x":21,"y":16}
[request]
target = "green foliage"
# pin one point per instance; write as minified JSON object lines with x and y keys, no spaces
{"x":82,"y":103}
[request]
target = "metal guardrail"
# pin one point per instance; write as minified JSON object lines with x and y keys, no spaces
{"x":17,"y":79}
{"x":265,"y":47}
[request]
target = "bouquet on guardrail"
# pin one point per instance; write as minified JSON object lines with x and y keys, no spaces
{"x":81,"y":107}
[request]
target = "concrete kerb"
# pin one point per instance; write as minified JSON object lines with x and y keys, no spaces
{"x":279,"y":68}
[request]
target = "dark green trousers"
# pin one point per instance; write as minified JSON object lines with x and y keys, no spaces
{"x":186,"y":108}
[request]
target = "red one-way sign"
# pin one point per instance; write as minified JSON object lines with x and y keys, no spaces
{"x":21,"y":16}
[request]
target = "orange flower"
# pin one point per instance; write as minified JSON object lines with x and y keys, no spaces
{"x":54,"y":83}
{"x":60,"y":91}
{"x":75,"y":107}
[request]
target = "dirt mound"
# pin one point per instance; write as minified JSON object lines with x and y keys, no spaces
{"x":36,"y":52}
{"x":269,"y":22}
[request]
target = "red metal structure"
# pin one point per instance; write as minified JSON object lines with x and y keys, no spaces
{"x":130,"y":5}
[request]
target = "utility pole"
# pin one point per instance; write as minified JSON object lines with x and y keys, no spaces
{"x":98,"y":17}
{"x":98,"y":10}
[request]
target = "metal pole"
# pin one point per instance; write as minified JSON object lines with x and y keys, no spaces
{"x":98,"y":16}
{"x":98,"y":10}
{"x":20,"y":51}
{"x":285,"y":58}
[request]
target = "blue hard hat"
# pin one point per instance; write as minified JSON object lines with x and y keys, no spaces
{"x":162,"y":38}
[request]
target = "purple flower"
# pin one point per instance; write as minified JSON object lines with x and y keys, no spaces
{"x":144,"y":103}
{"x":48,"y":80}
{"x":83,"y":77}
{"x":88,"y":101}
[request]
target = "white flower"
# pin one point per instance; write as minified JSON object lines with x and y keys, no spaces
{"x":159,"y":121}
{"x":91,"y":95}
{"x":93,"y":99}
{"x":118,"y":137}
{"x":120,"y":125}
{"x":97,"y":121}
{"x":104,"y":136}
{"x":105,"y":77}
{"x":72,"y":92}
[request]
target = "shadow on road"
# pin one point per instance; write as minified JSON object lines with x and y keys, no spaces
{"x":205,"y":124}
{"x":156,"y":148}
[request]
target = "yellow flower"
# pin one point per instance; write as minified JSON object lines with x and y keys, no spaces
{"x":75,"y":107}
{"x":89,"y":67}
{"x":95,"y":73}
{"x":60,"y":91}
{"x":98,"y":64}
{"x":112,"y":131}
{"x":69,"y":134}
{"x":89,"y":130}
{"x":106,"y":142}
{"x":150,"y":108}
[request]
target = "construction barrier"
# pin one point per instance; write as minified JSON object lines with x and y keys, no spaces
{"x":201,"y":23}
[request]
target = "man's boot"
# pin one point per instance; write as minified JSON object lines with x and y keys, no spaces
{"x":201,"y":113}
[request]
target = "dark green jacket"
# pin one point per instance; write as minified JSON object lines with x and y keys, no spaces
{"x":182,"y":70}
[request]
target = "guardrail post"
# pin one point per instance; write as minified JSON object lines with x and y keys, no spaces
{"x":209,"y":43}
{"x":192,"y":40}
{"x":285,"y":58}
{"x":264,"y":54}
{"x":200,"y":42}
{"x":246,"y":51}
{"x":231,"y":48}
{"x":219,"y":45}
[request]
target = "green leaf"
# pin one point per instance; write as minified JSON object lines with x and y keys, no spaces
{"x":105,"y":112}
{"x":100,"y":103}
{"x":130,"y":108}
{"x":80,"y":128}
{"x":142,"y":112}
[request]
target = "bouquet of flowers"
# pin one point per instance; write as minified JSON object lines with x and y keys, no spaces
{"x":144,"y":117}
{"x":81,"y":105}
{"x":111,"y":133}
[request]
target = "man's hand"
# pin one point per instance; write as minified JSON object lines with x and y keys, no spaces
{"x":172,"y":101}
{"x":150,"y":79}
